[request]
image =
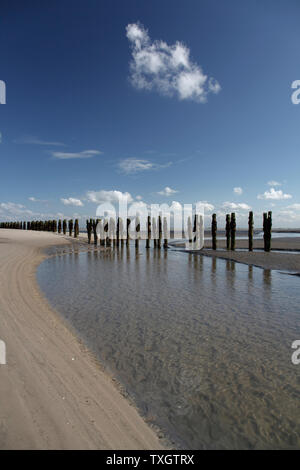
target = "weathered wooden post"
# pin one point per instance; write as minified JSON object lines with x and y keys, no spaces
{"x":154,"y":232}
{"x":159,"y":233}
{"x":59,"y":226}
{"x":165,"y":229}
{"x":70,"y":227}
{"x":118,"y":232}
{"x":137,"y":231}
{"x":76,"y":228}
{"x":106,"y":233}
{"x":64,"y":226}
{"x":214,"y":231}
{"x":250,"y":230}
{"x":267,"y":225}
{"x":148,"y":232}
{"x":101,"y":233}
{"x":232,"y":230}
{"x":121,"y":231}
{"x":190,"y":230}
{"x":89,"y":230}
{"x":227,"y":229}
{"x":94,"y":226}
{"x":127,"y":231}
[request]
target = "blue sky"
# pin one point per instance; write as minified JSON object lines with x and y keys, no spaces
{"x":193,"y":96}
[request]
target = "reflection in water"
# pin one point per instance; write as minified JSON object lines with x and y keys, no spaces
{"x":203,"y":345}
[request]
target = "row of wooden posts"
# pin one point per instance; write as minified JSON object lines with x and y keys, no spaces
{"x":230,"y":229}
{"x":92,"y":224}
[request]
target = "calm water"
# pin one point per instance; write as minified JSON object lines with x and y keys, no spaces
{"x":202,"y":345}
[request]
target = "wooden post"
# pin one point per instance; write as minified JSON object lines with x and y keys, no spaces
{"x":64,"y":226}
{"x":154,"y":232}
{"x":159,"y":232}
{"x":232,"y":230}
{"x":118,"y":232}
{"x":107,"y":239}
{"x":228,"y":220}
{"x":148,"y":231}
{"x":137,"y":231}
{"x":70,"y":227}
{"x":59,"y":226}
{"x":89,"y":230}
{"x":214,"y":231}
{"x":76,"y":228}
{"x":165,"y":229}
{"x":267,"y":225}
{"x":94,"y":225}
{"x":127,"y":231}
{"x":250,"y":230}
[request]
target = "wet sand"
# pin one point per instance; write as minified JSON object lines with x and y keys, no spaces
{"x":53,"y":393}
{"x":273,"y":260}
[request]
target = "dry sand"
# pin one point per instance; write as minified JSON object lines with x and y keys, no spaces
{"x":53,"y":394}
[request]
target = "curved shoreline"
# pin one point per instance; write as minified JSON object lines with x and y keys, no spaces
{"x":53,"y":395}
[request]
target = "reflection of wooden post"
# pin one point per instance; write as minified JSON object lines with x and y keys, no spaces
{"x":127,"y":232}
{"x":148,"y":231}
{"x":214,"y":231}
{"x":227,"y":231}
{"x":137,"y":231}
{"x":159,"y":233}
{"x":232,"y":230}
{"x":250,"y":231}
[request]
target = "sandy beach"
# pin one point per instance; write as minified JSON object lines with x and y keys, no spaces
{"x":53,"y":394}
{"x":274,"y":260}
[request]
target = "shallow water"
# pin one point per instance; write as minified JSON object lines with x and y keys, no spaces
{"x":203,"y":345}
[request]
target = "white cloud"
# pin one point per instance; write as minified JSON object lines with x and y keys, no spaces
{"x":274,"y":183}
{"x":238,"y":190}
{"x":273,"y":194}
{"x":206,"y":206}
{"x":295,"y":207}
{"x":165,"y":68}
{"x":108,"y":196}
{"x":236,"y":206}
{"x":167,"y":191}
{"x":139,"y":198}
{"x":12,"y":209}
{"x":69,"y":155}
{"x":136,"y":165}
{"x":71,"y":201}
{"x":36,"y":141}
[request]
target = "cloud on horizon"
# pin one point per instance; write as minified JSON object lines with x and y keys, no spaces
{"x":167,"y":69}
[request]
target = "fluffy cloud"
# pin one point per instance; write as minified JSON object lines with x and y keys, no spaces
{"x":71,"y":201}
{"x":273,"y":194}
{"x":206,"y":206}
{"x":165,"y":68}
{"x":236,"y":206}
{"x":167,"y":191}
{"x":135,"y":165}
{"x":274,"y":183}
{"x":238,"y":190}
{"x":111,"y":197}
{"x":11,"y":209}
{"x":83,"y":154}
